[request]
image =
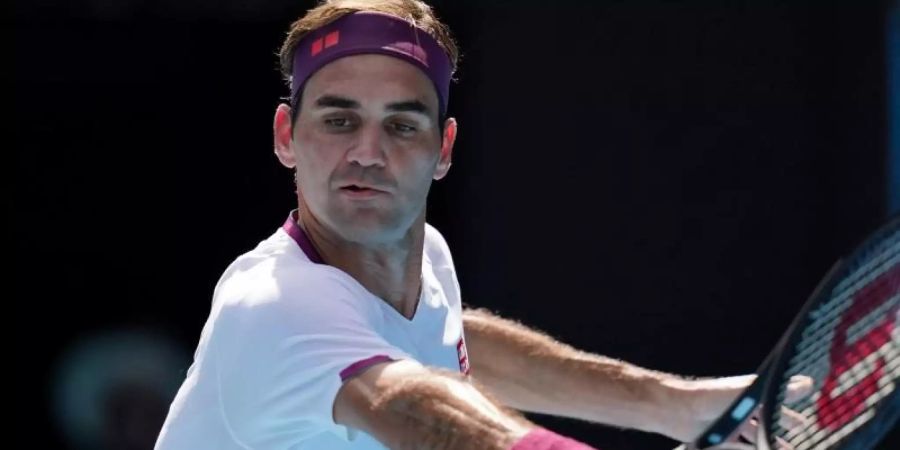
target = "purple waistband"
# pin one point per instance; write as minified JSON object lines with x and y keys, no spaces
{"x":371,"y":32}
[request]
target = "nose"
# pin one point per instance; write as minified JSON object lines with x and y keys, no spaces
{"x":368,"y":150}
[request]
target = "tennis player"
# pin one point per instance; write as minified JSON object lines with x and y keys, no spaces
{"x":344,"y":329}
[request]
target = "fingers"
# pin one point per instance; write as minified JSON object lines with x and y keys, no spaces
{"x":751,"y":433}
{"x":798,"y":388}
{"x":782,"y":444}
{"x":754,"y":435}
{"x":791,"y":419}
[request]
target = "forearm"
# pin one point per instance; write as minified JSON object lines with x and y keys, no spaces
{"x":530,"y":371}
{"x":439,"y":411}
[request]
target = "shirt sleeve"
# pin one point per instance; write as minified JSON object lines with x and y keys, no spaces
{"x":283,"y":346}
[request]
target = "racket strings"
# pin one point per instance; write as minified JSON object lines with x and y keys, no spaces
{"x":816,"y":341}
{"x":827,"y":315}
{"x":850,"y":346}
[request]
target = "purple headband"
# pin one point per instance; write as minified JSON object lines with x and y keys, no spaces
{"x":371,"y":32}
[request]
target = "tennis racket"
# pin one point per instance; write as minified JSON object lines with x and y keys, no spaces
{"x":847,"y":339}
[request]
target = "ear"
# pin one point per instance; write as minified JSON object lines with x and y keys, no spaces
{"x":447,"y":141}
{"x":283,"y":131}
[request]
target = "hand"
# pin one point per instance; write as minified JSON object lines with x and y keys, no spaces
{"x":706,"y":400}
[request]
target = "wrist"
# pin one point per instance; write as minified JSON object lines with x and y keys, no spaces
{"x":692,"y":405}
{"x":678,"y":408}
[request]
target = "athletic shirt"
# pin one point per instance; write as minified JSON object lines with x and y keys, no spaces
{"x":286,"y":330}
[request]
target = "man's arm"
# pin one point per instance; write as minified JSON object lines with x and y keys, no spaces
{"x":407,"y":406}
{"x":531,"y":371}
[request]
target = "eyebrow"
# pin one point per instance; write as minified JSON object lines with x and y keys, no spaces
{"x":409,"y":106}
{"x":334,"y":101}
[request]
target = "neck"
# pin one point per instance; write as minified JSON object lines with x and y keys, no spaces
{"x":391,"y":271}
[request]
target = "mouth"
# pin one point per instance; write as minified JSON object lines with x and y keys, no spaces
{"x":356,"y":190}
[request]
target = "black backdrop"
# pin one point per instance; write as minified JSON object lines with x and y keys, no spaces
{"x":658,"y":182}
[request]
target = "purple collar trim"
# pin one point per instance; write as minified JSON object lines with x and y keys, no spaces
{"x":299,"y":236}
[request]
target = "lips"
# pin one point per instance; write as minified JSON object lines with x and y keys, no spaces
{"x":358,"y":187}
{"x":359,"y":191}
{"x":355,"y":188}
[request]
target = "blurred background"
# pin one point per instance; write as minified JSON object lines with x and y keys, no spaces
{"x":662,"y":182}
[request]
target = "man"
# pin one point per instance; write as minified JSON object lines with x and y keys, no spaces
{"x":344,"y":329}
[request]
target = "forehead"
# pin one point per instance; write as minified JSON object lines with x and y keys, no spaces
{"x":372,"y":79}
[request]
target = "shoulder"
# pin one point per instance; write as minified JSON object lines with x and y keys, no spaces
{"x":436,"y":248}
{"x":276,"y":280}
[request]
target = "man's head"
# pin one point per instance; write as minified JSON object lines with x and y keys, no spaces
{"x":414,"y":12}
{"x":366,"y":131}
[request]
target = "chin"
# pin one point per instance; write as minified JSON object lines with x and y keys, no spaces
{"x":368,"y":229}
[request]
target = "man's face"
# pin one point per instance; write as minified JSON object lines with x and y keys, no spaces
{"x":367,"y":145}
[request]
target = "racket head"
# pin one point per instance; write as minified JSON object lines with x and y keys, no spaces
{"x":847,"y":339}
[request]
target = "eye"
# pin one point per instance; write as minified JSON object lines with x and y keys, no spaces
{"x":339,"y":123}
{"x":403,"y":128}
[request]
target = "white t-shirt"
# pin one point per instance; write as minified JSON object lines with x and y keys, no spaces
{"x":285,"y":331}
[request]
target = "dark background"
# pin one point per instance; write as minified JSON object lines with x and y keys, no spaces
{"x":662,"y":182}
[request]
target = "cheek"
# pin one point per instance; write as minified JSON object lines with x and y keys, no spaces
{"x":423,"y":166}
{"x":314,"y":167}
{"x":313,"y":148}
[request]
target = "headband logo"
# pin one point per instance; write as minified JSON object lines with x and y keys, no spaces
{"x":330,"y":40}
